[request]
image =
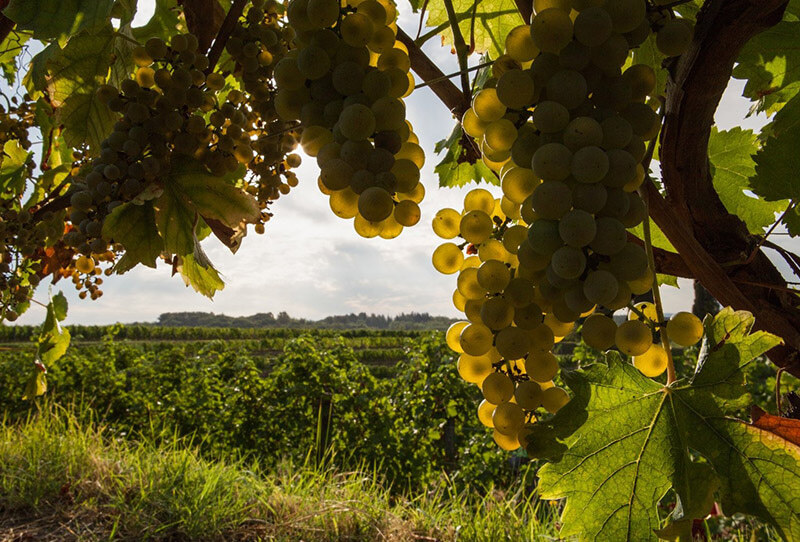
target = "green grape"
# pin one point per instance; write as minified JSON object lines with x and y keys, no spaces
{"x":407,"y":174}
{"x":617,"y":203}
{"x":600,"y":287}
{"x":553,"y":399}
{"x":382,"y":39}
{"x":446,"y":223}
{"x":526,"y":144}
{"x":626,"y":15}
{"x":513,"y":237}
{"x":567,"y":87}
{"x":593,"y":26}
{"x":674,"y":38}
{"x":492,"y":249}
{"x":685,"y":329}
{"x":621,"y":168}
{"x":544,"y":237}
{"x":322,"y":13}
{"x":568,"y":262}
{"x":622,"y":299}
{"x":590,"y":164}
{"x":611,"y":55}
{"x":518,"y":183}
{"x":501,"y":134}
{"x":468,"y":284}
{"x":515,"y":89}
{"x":583,"y":132}
{"x":552,"y":199}
{"x":476,"y":340}
{"x":519,"y":44}
{"x":357,"y":122}
{"x":447,"y":258}
{"x":485,"y":412}
{"x":496,"y":313}
{"x":344,"y":203}
{"x":357,"y":29}
{"x":473,"y":125}
{"x":513,"y":343}
{"x":528,"y":395}
{"x":551,"y":162}
{"x":561,"y":328}
{"x":642,"y":80}
{"x":519,"y":292}
{"x":653,"y":362}
{"x":394,"y":59}
{"x":633,"y":338}
{"x":453,"y":334}
{"x":647,"y":309}
{"x":407,"y":213}
{"x":497,"y":388}
{"x":335,"y":174}
{"x":575,"y":301}
{"x":541,"y":5}
{"x":375,"y":204}
{"x":641,"y":285}
{"x":550,"y":117}
{"x":493,"y":276}
{"x":599,"y":331}
{"x":577,"y":228}
{"x":638,"y":35}
{"x":643,"y":120}
{"x":551,"y":30}
{"x":611,"y":236}
{"x":348,"y":78}
{"x":637,"y":148}
{"x":541,"y":338}
{"x":313,"y":62}
{"x":472,"y":310}
{"x":541,"y":366}
{"x":374,"y":10}
{"x":401,"y":83}
{"x":629,"y":263}
{"x":473,"y":368}
{"x":476,"y":227}
{"x":487,"y":106}
{"x":508,"y":418}
{"x":390,"y":113}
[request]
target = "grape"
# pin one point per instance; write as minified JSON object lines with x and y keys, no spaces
{"x":589,"y":197}
{"x":617,"y":132}
{"x":575,"y":56}
{"x":472,"y":124}
{"x":568,"y":262}
{"x":515,"y":89}
{"x":611,"y":55}
{"x":519,"y":292}
{"x":551,"y":200}
{"x":544,"y":237}
{"x":551,"y":162}
{"x":599,"y":331}
{"x":447,"y":258}
{"x":452,"y":336}
{"x":541,"y":366}
{"x":550,"y":117}
{"x":375,"y":204}
{"x":390,"y":113}
{"x":344,"y":203}
{"x":593,"y":26}
{"x":646,"y":308}
{"x":366,"y":228}
{"x":497,"y":313}
{"x":518,"y":183}
{"x":685,"y":329}
{"x":322,"y":13}
{"x":508,"y":418}
{"x":357,"y":29}
{"x":561,"y":328}
{"x":407,"y":213}
{"x":492,"y":249}
{"x":487,"y":106}
{"x":528,"y":395}
{"x":629,"y":263}
{"x":674,"y":38}
{"x":493,"y":276}
{"x":512,"y":342}
{"x":575,"y":300}
{"x":459,"y":301}
{"x":407,"y":174}
{"x":553,"y":399}
{"x":468,"y":284}
{"x":513,"y":237}
{"x":508,"y":443}
{"x":357,"y":122}
{"x":642,"y":80}
{"x":622,"y":299}
{"x":567,"y":87}
{"x":313,"y":62}
{"x":583,"y":132}
{"x":473,"y":368}
{"x":475,"y":227}
{"x":621,"y":169}
{"x":611,"y":236}
{"x":472,"y":310}
{"x":476,"y":340}
{"x":485,"y":411}
{"x":653,"y":362}
{"x":551,"y":30}
{"x":497,"y":388}
{"x":626,"y":15}
{"x":501,"y":134}
{"x":519,"y":44}
{"x":617,"y":203}
{"x":577,"y":228}
{"x":541,"y":5}
{"x":642,"y":284}
{"x":600,"y":287}
{"x":633,"y":338}
{"x":590,"y":164}
{"x":542,"y":338}
{"x":643,"y":120}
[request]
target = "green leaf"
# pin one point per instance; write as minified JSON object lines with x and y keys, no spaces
{"x":134,"y":226}
{"x":123,"y":65}
{"x":35,"y":79}
{"x":454,"y":170}
{"x":777,"y":164}
{"x":50,"y":19}
{"x":81,"y":66}
{"x":36,"y":385}
{"x":787,"y":118}
{"x":770,"y":62}
{"x":628,"y":439}
{"x":732,"y":163}
{"x":492,"y":19}
{"x":124,"y":10}
{"x":86,"y":120}
{"x":14,"y":168}
{"x":198,"y":273}
{"x":53,"y":339}
{"x":175,"y":220}
{"x":695,"y":499}
{"x":163,"y":24}
{"x":10,"y":50}
{"x":213,"y":197}
{"x":659,"y":239}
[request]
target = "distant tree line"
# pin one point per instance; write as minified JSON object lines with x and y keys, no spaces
{"x":362,"y":320}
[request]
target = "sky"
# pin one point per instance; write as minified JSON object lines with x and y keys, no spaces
{"x":312,"y":264}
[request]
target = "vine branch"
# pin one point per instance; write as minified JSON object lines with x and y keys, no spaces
{"x":460,"y":46}
{"x":225,"y":30}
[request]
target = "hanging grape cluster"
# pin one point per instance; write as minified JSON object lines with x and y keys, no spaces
{"x":344,"y":83}
{"x":565,"y":124}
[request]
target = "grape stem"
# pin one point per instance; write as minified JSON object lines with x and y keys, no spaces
{"x":451,"y":75}
{"x":460,"y":46}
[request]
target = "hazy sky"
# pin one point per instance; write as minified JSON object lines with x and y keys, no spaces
{"x":312,"y":264}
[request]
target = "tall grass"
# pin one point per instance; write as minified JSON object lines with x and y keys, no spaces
{"x":62,"y":479}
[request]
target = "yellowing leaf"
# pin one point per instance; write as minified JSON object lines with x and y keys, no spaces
{"x":81,"y":66}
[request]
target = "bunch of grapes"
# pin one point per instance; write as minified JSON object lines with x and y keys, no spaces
{"x":566,"y":128}
{"x":345,"y":82}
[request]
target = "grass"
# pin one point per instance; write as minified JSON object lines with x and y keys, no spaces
{"x":61,"y":479}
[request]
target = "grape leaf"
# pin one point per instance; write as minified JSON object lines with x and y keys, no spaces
{"x":163,"y":24}
{"x":53,"y":339}
{"x":197,"y":272}
{"x":785,"y":119}
{"x":777,"y":164}
{"x":14,"y":167}
{"x":123,"y":65}
{"x":770,"y":62}
{"x":124,"y":10}
{"x":50,"y":19}
{"x":9,"y":52}
{"x":81,"y":66}
{"x":85,"y":119}
{"x":730,"y":153}
{"x":35,"y":79}
{"x":454,"y":170}
{"x":175,"y":220}
{"x":134,"y":226}
{"x":628,"y":438}
{"x":492,"y":20}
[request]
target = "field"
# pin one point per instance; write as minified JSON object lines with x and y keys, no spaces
{"x":170,"y":433}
